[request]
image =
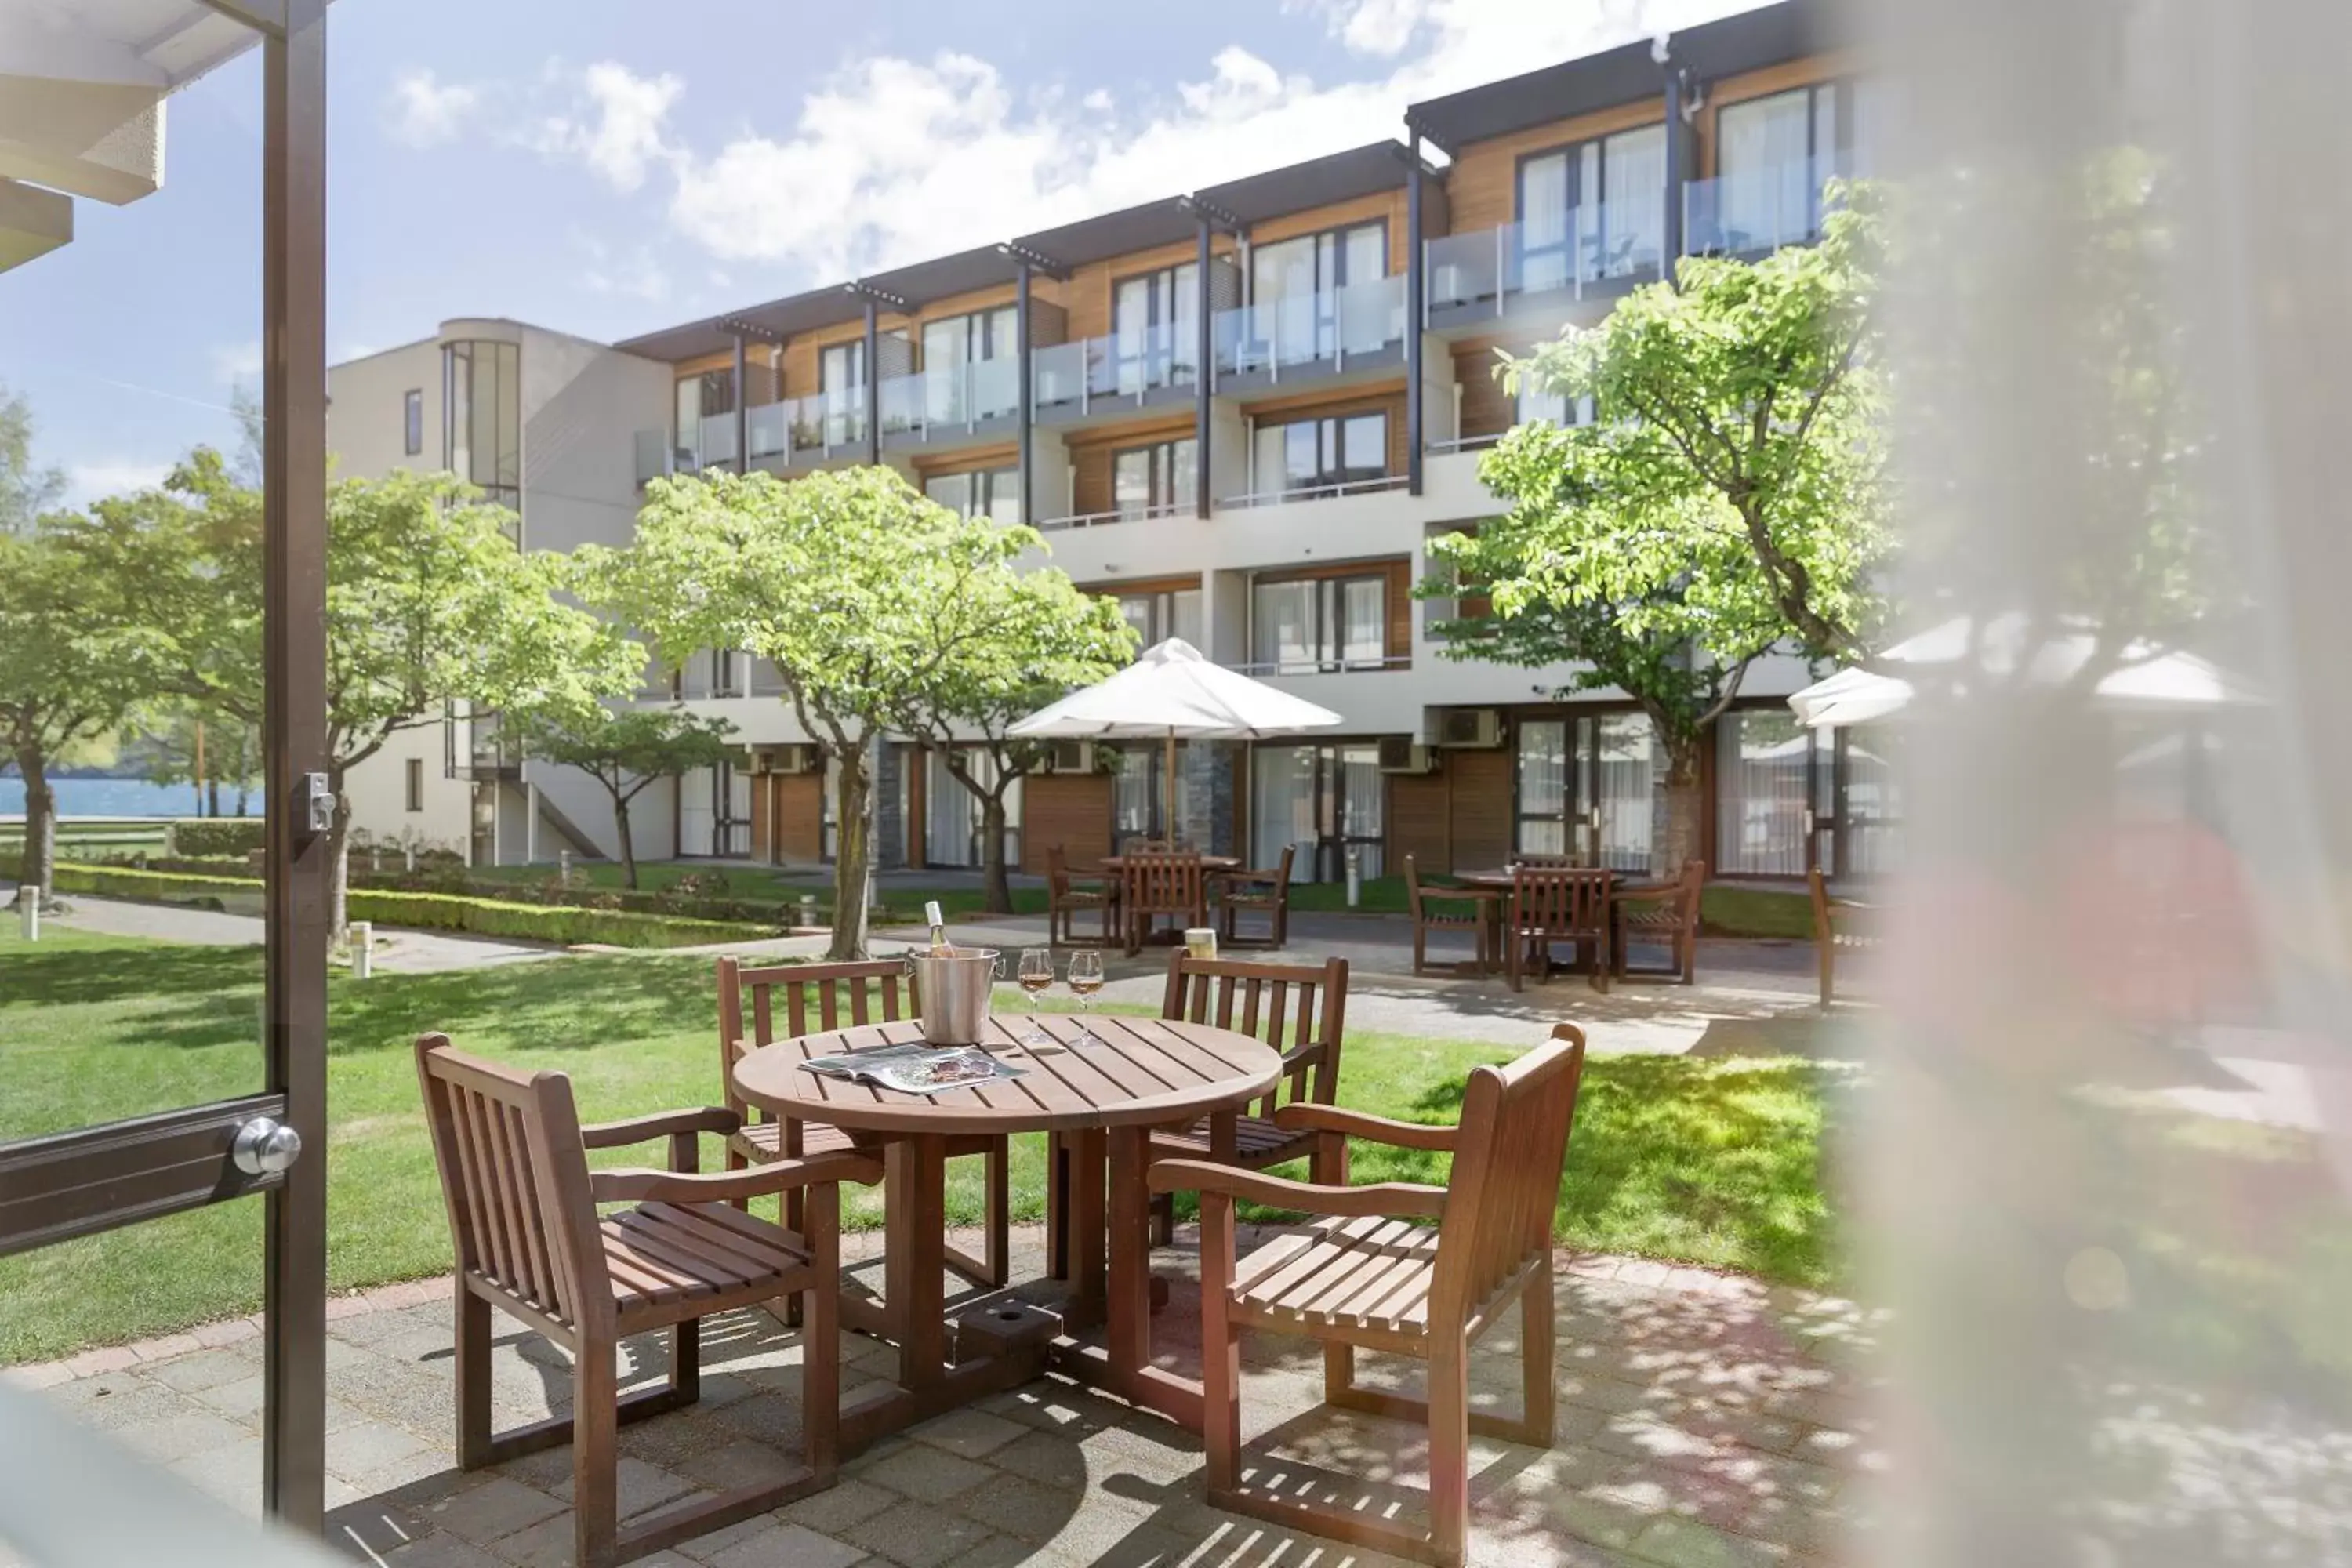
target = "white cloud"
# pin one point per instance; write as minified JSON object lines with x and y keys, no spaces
{"x":636,"y":276}
{"x":1379,"y":27}
{"x":423,"y":112}
{"x":238,"y":362}
{"x":88,"y":482}
{"x":618,"y":126}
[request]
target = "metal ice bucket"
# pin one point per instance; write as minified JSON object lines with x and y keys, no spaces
{"x":955,"y":988}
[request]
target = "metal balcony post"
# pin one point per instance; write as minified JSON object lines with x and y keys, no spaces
{"x":1502,"y":243}
{"x":1417,"y":286}
{"x":873,"y":384}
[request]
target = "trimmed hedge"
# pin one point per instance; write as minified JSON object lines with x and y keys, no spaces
{"x":202,"y":836}
{"x":429,"y":911}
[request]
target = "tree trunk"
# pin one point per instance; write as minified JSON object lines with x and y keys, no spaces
{"x":212,"y":797}
{"x":38,"y":871}
{"x":1683,"y":804}
{"x":996,"y":886}
{"x":853,"y":804}
{"x":240,"y":800}
{"x":628,"y":847}
{"x":339,"y":868}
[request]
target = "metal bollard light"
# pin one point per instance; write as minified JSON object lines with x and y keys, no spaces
{"x":28,"y":907}
{"x":1355,"y":876}
{"x":563,"y":867}
{"x":362,"y":942}
{"x":408,"y":853}
{"x":808,"y":912}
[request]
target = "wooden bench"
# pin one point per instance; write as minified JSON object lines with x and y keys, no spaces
{"x":1837,"y":924}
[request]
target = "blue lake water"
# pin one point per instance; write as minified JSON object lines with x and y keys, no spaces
{"x":117,"y":797}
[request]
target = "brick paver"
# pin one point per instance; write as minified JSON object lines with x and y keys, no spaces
{"x":1704,"y":1419}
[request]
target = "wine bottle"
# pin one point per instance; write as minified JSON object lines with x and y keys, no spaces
{"x":939,"y":947}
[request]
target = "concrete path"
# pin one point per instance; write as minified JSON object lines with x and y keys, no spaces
{"x":1703,"y":1420}
{"x":396,"y":952}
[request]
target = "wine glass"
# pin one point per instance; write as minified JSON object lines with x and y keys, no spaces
{"x":1036,"y":977}
{"x":1086,"y":979}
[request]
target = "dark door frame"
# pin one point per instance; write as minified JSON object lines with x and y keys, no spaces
{"x":98,"y":1178}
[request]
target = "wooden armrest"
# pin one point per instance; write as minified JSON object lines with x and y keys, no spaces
{"x":630,"y":1185}
{"x":1645,"y":890}
{"x":662,"y":1124}
{"x":1461,"y":894}
{"x":1383,"y":1198}
{"x":1373,"y":1129}
{"x":1304,"y":1057}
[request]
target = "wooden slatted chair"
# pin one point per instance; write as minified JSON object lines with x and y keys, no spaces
{"x":1364,"y":1276}
{"x":1666,"y":912}
{"x":826,"y":996}
{"x":1263,"y":893}
{"x":1476,"y":915}
{"x":530,"y":1241}
{"x":1153,"y":884}
{"x":1301,"y":1010}
{"x":1066,"y":899}
{"x":1838,"y":923}
{"x":1552,"y":904}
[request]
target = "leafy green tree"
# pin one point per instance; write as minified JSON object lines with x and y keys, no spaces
{"x":66,"y":678}
{"x":429,"y":601}
{"x":206,"y":750}
{"x":624,"y":749}
{"x":26,"y":490}
{"x":834,"y":579}
{"x":1725,"y":499}
{"x":1007,"y":643}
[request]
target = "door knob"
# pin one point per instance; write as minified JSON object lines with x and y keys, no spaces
{"x":264,"y":1147}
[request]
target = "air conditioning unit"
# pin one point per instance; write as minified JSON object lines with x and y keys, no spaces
{"x":758,"y":763}
{"x":1470,"y":729}
{"x":1404,"y":754}
{"x":798,"y":759}
{"x":1070,"y":757}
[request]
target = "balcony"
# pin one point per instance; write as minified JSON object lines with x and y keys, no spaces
{"x":1601,"y":248}
{"x":1307,"y":337}
{"x":1089,"y":376}
{"x":1756,"y":212}
{"x":1133,"y":511}
{"x":977,"y":398}
{"x":1331,"y":491}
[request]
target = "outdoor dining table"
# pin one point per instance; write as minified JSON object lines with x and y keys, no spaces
{"x":1115,"y":864}
{"x":1502,"y":878}
{"x":1102,"y":1099}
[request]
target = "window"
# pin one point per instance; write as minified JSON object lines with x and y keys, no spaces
{"x":1315,"y":454}
{"x":972,"y":366}
{"x":1597,"y":209}
{"x":1154,"y":480}
{"x":415,"y":784}
{"x":412,"y":421}
{"x":482,"y":422}
{"x":1772,"y":155}
{"x":1299,"y":626}
{"x":1590,"y":788}
{"x":952,"y":827}
{"x":1300,"y":291}
{"x":1155,"y":322}
{"x":1764,"y":763}
{"x":705,"y":424}
{"x":985,"y":492}
{"x":1166,"y":613}
{"x":1321,"y":801}
{"x":1536,"y":404}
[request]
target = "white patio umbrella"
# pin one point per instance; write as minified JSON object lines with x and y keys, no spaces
{"x":1173,"y":693}
{"x":2147,"y":678}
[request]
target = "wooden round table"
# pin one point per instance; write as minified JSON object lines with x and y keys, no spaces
{"x":1101,"y":1099}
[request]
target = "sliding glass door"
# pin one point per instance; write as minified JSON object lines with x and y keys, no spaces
{"x":1318,"y":802}
{"x":1592,"y":787}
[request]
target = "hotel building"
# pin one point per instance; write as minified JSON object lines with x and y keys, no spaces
{"x":1243,"y":411}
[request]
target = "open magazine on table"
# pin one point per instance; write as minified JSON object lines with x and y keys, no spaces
{"x":916,"y":1068}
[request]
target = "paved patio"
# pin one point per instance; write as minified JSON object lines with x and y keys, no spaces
{"x":1704,"y":1420}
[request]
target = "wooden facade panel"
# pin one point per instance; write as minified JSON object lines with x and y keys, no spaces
{"x":1762,"y":83}
{"x":969,"y":460}
{"x":1087,"y":296}
{"x":1487,"y":408}
{"x":1483,"y":187}
{"x":1421,"y":821}
{"x":1091,"y":481}
{"x":1072,"y":810}
{"x":1388,"y":206}
{"x":1479,"y":808}
{"x":800,"y":816}
{"x":1292,"y":411}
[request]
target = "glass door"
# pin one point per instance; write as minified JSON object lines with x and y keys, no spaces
{"x":1591,"y":787}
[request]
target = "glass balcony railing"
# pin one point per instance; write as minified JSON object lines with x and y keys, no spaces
{"x":718,"y":447}
{"x":1080,"y":373}
{"x":824,"y":423}
{"x":953,"y":397}
{"x":771,"y":432}
{"x":1597,"y":243}
{"x":653,"y":455}
{"x":1321,"y":329}
{"x":1751,"y":211}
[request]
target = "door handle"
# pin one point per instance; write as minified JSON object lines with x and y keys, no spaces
{"x":266,"y":1147}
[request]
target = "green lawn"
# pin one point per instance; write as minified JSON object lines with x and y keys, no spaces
{"x":1712,"y":1161}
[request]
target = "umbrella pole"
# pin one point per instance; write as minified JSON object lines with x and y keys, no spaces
{"x":1171,"y":785}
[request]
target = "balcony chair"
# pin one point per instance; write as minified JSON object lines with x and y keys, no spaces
{"x":1064,"y":897}
{"x":1360,"y":1277}
{"x":1478,"y":917}
{"x":1552,"y":904}
{"x":1662,"y":911}
{"x":1277,"y":1002}
{"x":1256,"y":893}
{"x":1846,"y":923}
{"x":530,"y":1241}
{"x":826,"y":996}
{"x":1152,"y":884}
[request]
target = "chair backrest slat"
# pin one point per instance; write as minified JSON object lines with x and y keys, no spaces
{"x":514,"y":1175}
{"x":1278,"y":1004}
{"x":1504,"y":1185}
{"x":1560,"y":899}
{"x":1162,"y":881}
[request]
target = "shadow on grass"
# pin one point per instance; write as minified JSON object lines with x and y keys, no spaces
{"x":561,"y":1004}
{"x":84,"y":976}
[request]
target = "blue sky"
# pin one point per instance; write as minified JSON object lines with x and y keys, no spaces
{"x":608,"y":166}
